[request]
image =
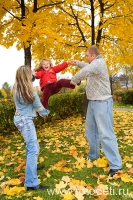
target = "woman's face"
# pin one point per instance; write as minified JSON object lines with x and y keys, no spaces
{"x":45,"y":65}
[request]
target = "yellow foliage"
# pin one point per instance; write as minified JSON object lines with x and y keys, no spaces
{"x":4,"y":95}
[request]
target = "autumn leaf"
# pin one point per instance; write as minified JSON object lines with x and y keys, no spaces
{"x":80,"y":163}
{"x":2,"y":158}
{"x":11,"y":191}
{"x":13,"y":182}
{"x":38,"y":198}
{"x":47,"y":174}
{"x":41,"y":159}
{"x":102,"y":197}
{"x":66,"y":179}
{"x":101,"y":189}
{"x":60,"y":164}
{"x":1,"y":173}
{"x":89,"y":164}
{"x":2,"y":177}
{"x":66,"y":169}
{"x":78,"y":195}
{"x":59,"y":186}
{"x":128,"y":165}
{"x":131,"y":170}
{"x":101,"y":162}
{"x":67,"y":197}
{"x":125,"y":178}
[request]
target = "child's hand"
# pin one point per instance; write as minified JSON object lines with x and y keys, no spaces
{"x":34,"y":73}
{"x":72,"y":62}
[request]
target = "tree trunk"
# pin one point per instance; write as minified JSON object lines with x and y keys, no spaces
{"x":126,"y":82}
{"x":97,"y":42}
{"x":27,"y":50}
{"x":84,"y":106}
{"x":85,"y":100}
{"x":110,"y":78}
{"x":27,"y":54}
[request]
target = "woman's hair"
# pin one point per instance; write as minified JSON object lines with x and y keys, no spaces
{"x":23,"y":85}
{"x":93,"y":50}
{"x":40,"y":65}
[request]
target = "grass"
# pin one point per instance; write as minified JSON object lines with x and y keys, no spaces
{"x":121,"y":105}
{"x":63,"y":151}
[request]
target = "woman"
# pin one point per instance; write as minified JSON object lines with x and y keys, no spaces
{"x":27,"y":104}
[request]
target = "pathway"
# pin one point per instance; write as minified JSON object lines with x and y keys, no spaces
{"x":124,"y":109}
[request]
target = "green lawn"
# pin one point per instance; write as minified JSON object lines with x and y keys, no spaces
{"x":120,"y":105}
{"x":63,"y":152}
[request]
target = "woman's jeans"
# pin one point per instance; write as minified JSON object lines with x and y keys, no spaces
{"x":26,"y":126}
{"x":99,"y":129}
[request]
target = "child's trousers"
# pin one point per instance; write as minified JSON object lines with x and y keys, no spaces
{"x":53,"y":88}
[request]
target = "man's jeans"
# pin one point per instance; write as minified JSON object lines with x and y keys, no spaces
{"x":99,"y":129}
{"x":26,"y":126}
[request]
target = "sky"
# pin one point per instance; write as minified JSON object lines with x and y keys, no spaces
{"x":11,"y":59}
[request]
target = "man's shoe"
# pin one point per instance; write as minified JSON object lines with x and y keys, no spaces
{"x":38,"y":187}
{"x":112,"y":172}
{"x":40,"y":167}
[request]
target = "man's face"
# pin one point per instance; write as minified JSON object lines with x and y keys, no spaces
{"x":90,"y":57}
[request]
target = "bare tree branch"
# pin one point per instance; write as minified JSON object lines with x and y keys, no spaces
{"x":11,"y":14}
{"x":35,"y":9}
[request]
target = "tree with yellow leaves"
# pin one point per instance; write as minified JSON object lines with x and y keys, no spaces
{"x":3,"y":94}
{"x":64,"y":29}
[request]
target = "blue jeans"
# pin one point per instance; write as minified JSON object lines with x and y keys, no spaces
{"x":26,"y":126}
{"x":99,"y":130}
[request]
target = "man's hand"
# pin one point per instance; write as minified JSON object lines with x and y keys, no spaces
{"x":72,"y":62}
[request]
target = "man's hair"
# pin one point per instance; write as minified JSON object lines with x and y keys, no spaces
{"x":93,"y":50}
{"x":40,"y":65}
{"x":23,"y":85}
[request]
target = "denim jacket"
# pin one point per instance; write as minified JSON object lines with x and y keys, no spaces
{"x":30,"y":109}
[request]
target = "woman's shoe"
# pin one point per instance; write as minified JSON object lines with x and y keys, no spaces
{"x":38,"y":187}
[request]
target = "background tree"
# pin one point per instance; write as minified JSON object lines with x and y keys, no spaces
{"x":64,"y":29}
{"x":3,"y":94}
{"x":24,"y":23}
{"x":116,"y":85}
{"x":7,"y":89}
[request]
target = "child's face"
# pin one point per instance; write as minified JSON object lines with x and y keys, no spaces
{"x":45,"y":65}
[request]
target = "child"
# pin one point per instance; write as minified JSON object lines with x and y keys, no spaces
{"x":27,"y":103}
{"x":48,"y":81}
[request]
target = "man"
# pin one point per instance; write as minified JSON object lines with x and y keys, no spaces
{"x":99,"y":117}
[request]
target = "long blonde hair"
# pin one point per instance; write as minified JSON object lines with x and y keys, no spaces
{"x":23,"y":85}
{"x":40,"y":65}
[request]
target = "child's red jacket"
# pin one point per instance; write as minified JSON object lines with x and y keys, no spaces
{"x":50,"y":75}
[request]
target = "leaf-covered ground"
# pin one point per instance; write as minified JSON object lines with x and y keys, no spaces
{"x":68,"y":172}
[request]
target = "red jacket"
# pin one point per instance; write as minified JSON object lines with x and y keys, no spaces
{"x":50,"y":75}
